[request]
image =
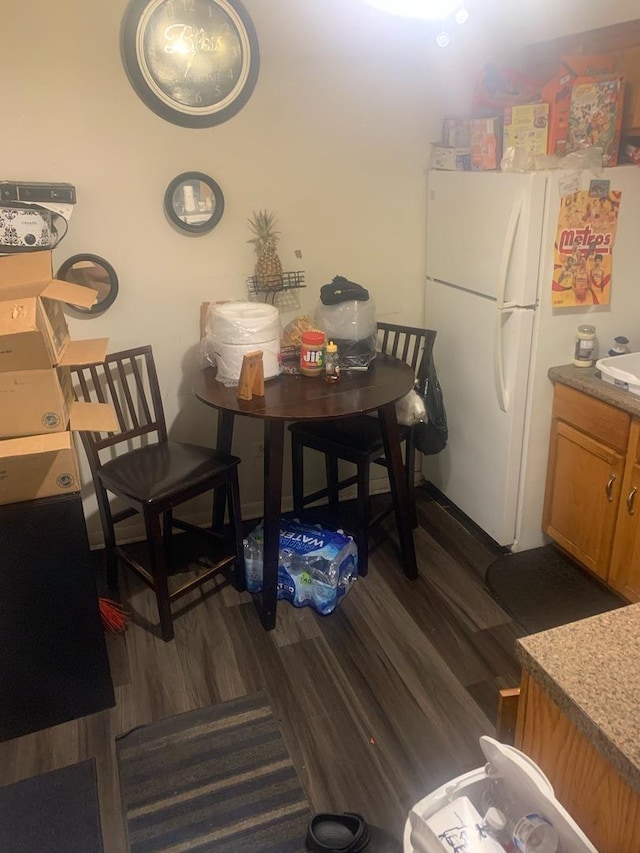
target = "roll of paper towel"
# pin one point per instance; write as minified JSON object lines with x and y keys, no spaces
{"x":228,"y":358}
{"x":243,"y":322}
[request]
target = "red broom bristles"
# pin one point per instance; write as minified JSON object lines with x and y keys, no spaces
{"x":114,"y":616}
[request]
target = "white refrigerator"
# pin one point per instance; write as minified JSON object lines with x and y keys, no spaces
{"x":489,"y":267}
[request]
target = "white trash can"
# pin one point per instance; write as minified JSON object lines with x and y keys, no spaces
{"x":451,"y":817}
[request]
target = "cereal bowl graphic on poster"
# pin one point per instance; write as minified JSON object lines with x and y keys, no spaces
{"x":583,"y":249}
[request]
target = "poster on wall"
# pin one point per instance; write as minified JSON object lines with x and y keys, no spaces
{"x":583,"y":250}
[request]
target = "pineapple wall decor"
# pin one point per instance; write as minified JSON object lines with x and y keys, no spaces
{"x":269,"y":277}
{"x":268,"y":269}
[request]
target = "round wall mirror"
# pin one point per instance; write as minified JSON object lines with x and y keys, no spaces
{"x":94,"y":272}
{"x":194,"y":202}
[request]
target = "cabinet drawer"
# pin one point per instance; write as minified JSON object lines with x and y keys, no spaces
{"x":598,"y":419}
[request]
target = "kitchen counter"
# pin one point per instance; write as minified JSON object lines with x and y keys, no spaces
{"x":587,"y":380}
{"x":590,"y":669}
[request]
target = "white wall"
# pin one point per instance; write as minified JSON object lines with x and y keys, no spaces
{"x":335,"y":139}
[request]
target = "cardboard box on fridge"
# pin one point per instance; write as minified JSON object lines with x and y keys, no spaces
{"x":39,"y":466}
{"x":595,"y":115}
{"x":35,"y":402}
{"x":557,"y":93}
{"x":456,"y":132}
{"x":33,"y":329}
{"x":453,"y":159}
{"x":486,"y":144}
{"x":526,"y":127}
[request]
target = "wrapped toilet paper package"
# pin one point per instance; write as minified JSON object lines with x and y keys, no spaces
{"x":243,"y":322}
{"x":232,"y":329}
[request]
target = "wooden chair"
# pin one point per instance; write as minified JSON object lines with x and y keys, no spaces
{"x":359,"y":440}
{"x":151,"y":475}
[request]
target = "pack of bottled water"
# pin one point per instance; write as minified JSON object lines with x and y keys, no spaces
{"x":316,"y":567}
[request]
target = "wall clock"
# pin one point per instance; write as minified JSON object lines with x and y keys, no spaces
{"x":193,"y":62}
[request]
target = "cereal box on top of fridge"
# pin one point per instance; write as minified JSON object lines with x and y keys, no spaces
{"x":557,"y":93}
{"x":595,"y":115}
{"x":526,"y":126}
{"x":486,"y":144}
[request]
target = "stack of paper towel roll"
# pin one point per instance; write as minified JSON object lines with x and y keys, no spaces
{"x":235,"y":328}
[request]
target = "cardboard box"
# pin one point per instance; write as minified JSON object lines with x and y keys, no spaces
{"x":38,"y":466}
{"x":486,"y":144}
{"x":456,"y":132}
{"x":33,"y":329}
{"x":526,"y":127}
{"x":35,"y":401}
{"x":557,"y":93}
{"x":595,"y":115}
{"x":456,"y":159}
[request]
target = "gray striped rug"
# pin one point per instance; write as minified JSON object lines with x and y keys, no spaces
{"x":219,"y":778}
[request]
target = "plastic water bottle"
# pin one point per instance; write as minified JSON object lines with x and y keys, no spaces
{"x":533,"y":833}
{"x":253,"y":564}
{"x":528,"y":833}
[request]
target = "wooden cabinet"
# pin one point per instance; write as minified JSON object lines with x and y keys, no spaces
{"x":601,"y":802}
{"x":592,"y":501}
{"x":587,"y":454}
{"x":624,"y":574}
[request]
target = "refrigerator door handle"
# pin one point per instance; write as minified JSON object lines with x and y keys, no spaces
{"x":498,"y":361}
{"x":507,"y":252}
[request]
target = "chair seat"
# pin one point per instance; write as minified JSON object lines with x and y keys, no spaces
{"x":156,"y":472}
{"x":360,"y":434}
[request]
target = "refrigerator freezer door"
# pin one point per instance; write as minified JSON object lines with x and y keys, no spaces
{"x":482,"y":358}
{"x":488,"y":216}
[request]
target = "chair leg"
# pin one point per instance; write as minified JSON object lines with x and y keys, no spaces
{"x":297,"y":474}
{"x":410,"y":467}
{"x":108,"y":531}
{"x":167,"y":536}
{"x":235,"y":519}
{"x":159,"y":572}
{"x":363,"y":518}
{"x":331,"y":469}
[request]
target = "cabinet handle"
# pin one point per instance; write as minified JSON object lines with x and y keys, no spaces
{"x":631,"y":499}
{"x":609,"y":488}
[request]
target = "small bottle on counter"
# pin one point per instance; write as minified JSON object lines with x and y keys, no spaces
{"x":331,"y":362}
{"x":312,"y":353}
{"x":585,"y":346}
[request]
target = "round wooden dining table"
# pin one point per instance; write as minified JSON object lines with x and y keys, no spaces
{"x":293,"y":397}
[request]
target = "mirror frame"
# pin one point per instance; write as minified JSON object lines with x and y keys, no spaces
{"x":99,"y":307}
{"x":216,"y":213}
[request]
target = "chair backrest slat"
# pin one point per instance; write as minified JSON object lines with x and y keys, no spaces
{"x":129,"y":382}
{"x":412,"y":344}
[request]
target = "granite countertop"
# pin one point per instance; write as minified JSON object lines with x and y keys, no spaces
{"x":590,"y":669}
{"x":587,"y":380}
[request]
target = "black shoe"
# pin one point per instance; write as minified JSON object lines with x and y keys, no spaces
{"x":337,"y":833}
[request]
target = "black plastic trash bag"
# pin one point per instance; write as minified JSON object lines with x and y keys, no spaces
{"x":431,"y":436}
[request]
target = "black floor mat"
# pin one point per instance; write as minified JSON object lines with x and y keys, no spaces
{"x":541,"y":589}
{"x":53,"y":661}
{"x":56,"y":812}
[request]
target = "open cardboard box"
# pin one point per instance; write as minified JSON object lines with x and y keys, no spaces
{"x":38,"y":466}
{"x":33,"y":329}
{"x":35,"y":402}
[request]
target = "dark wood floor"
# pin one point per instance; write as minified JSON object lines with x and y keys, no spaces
{"x":379,"y":703}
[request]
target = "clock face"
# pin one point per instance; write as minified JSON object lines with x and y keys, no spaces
{"x":193,"y":62}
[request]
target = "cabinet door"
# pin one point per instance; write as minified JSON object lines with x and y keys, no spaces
{"x":583,"y":493}
{"x":625,"y":560}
